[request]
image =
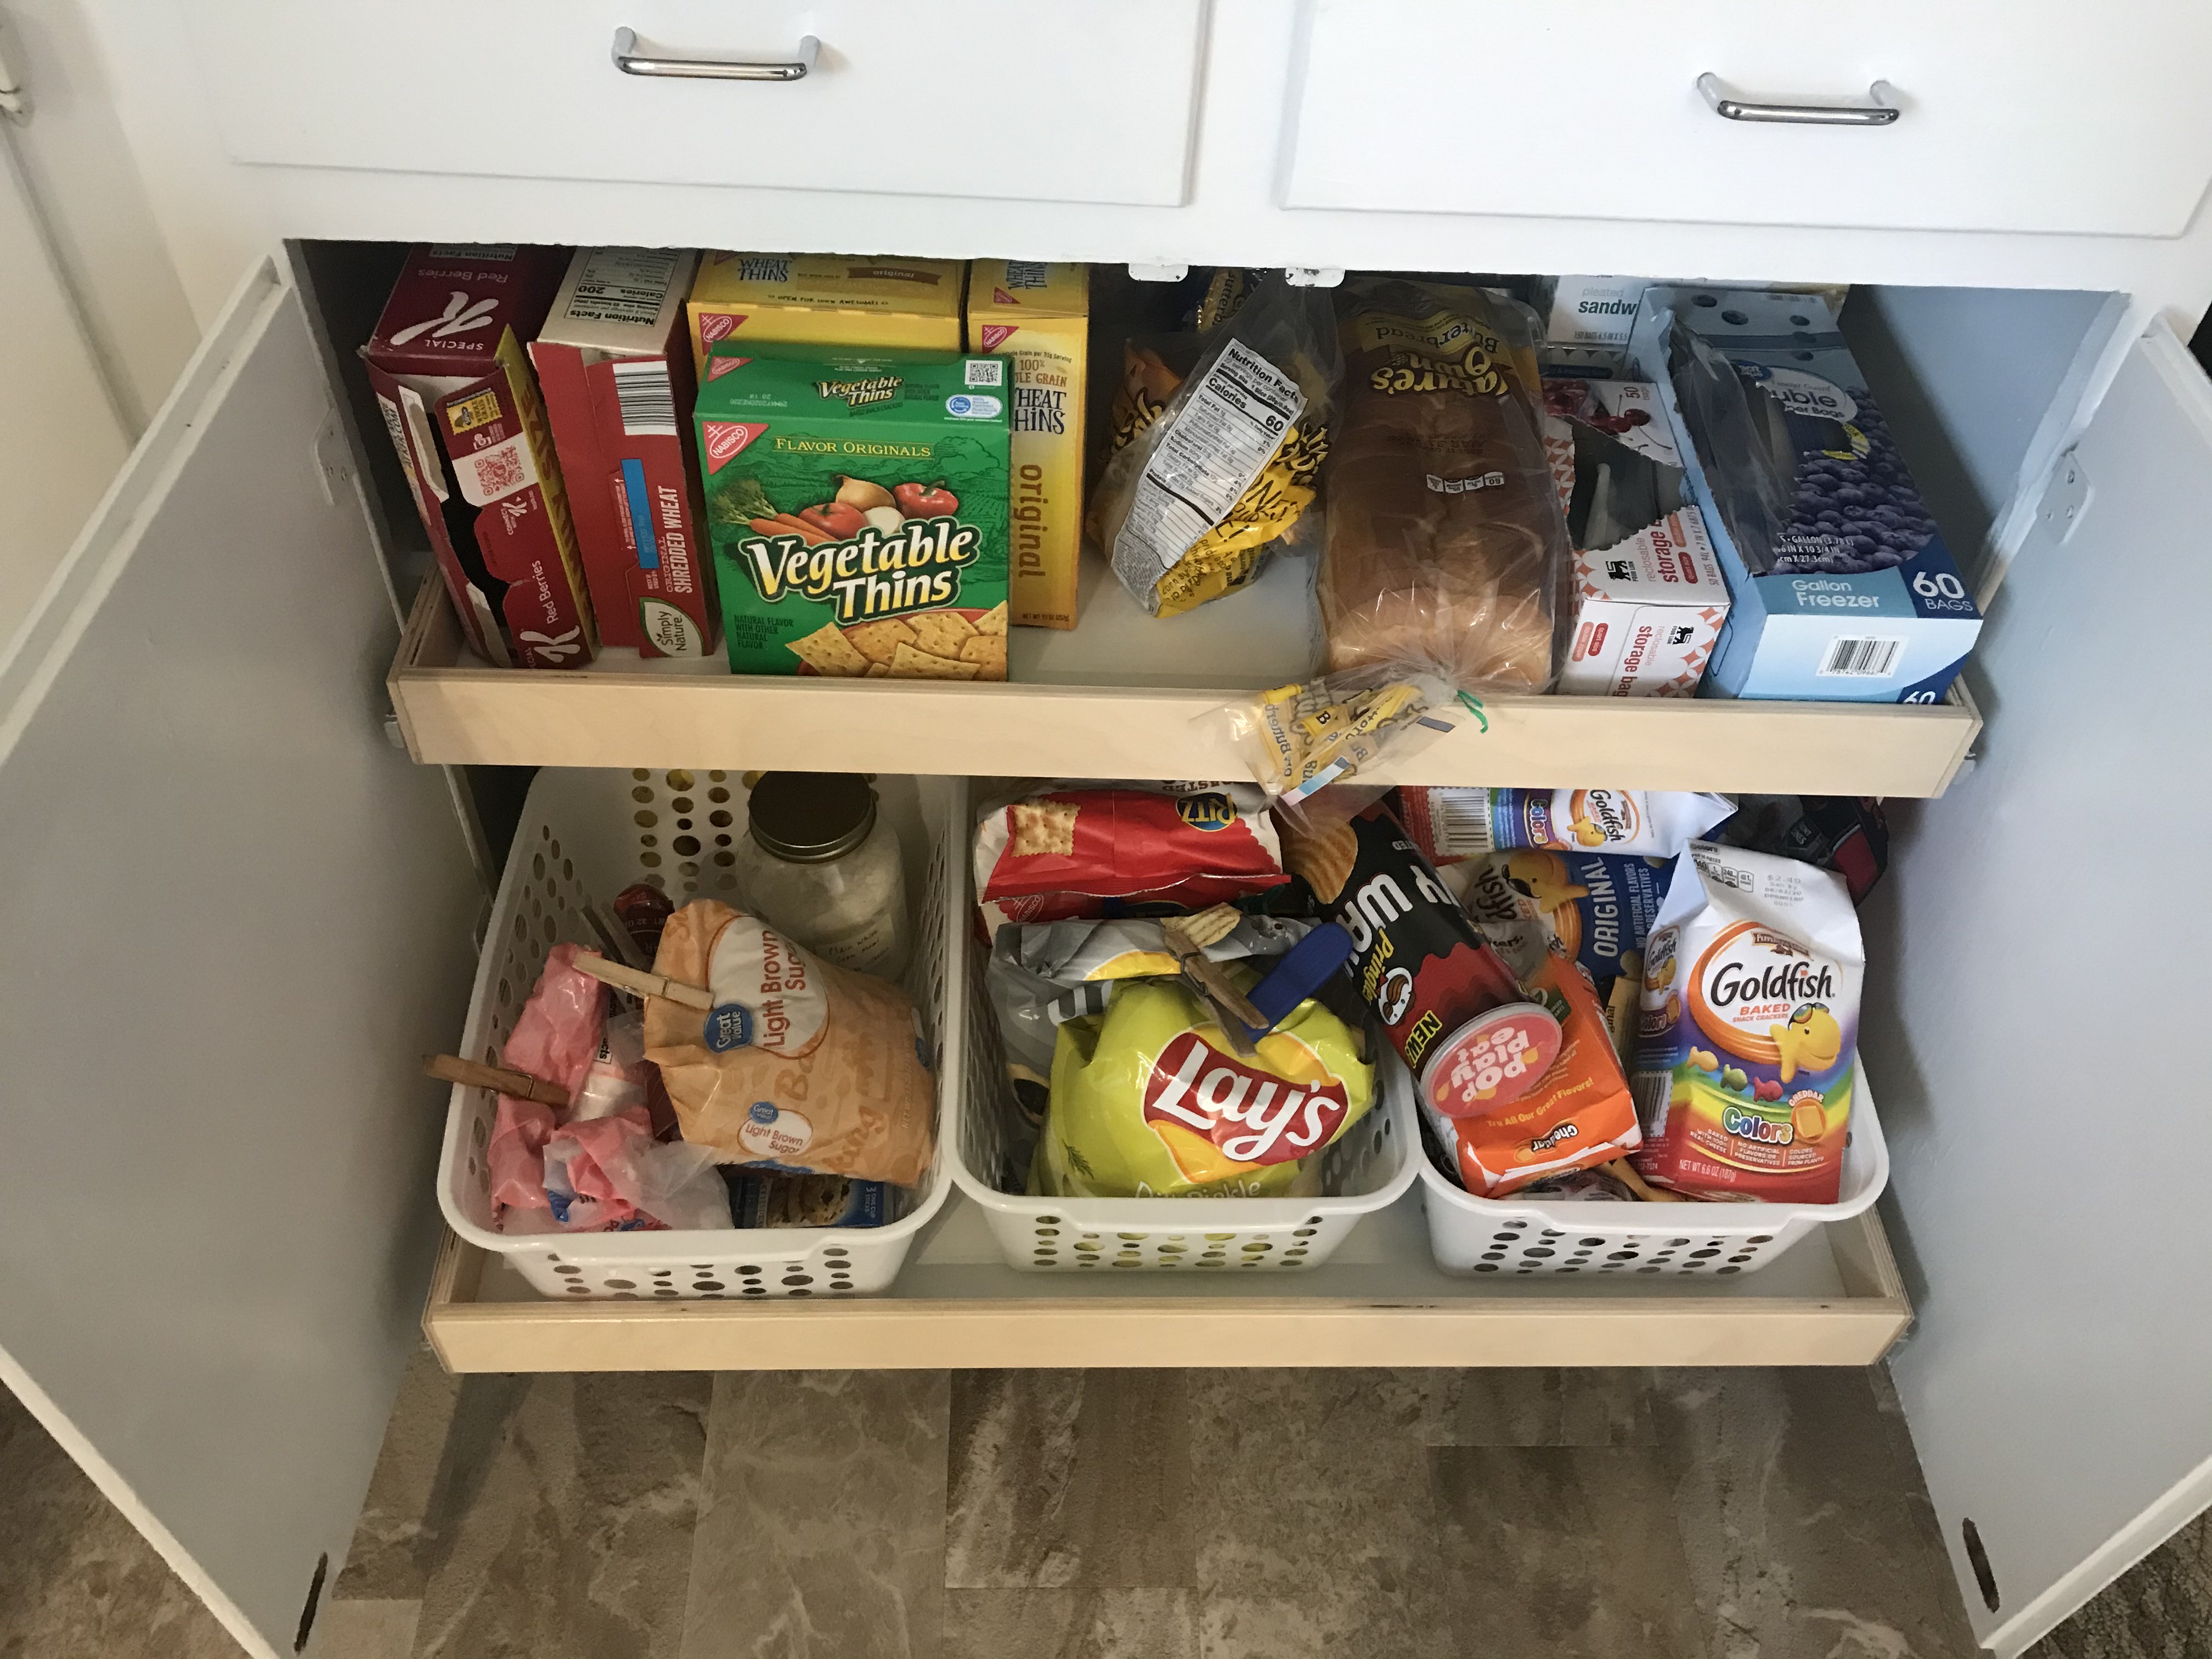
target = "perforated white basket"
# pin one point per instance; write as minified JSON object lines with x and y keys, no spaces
{"x":1367,"y":1171}
{"x":1517,"y":1237}
{"x":585,"y":836}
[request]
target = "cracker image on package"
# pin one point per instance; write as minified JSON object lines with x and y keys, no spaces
{"x":857,"y":506}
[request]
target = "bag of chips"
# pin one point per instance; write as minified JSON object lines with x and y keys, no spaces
{"x":1150,"y":1101}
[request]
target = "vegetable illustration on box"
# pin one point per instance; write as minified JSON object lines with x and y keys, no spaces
{"x":857,"y":504}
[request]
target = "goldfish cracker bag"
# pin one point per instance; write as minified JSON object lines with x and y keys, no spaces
{"x":1580,"y":1111}
{"x":1746,"y":1031}
{"x":1149,"y":1101}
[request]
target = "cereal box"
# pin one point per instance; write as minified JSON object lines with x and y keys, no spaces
{"x":825,"y":298}
{"x":857,"y":503}
{"x":453,"y":381}
{"x":617,"y":384}
{"x":1038,"y":316}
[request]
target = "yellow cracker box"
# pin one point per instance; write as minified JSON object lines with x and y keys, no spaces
{"x":825,"y":298}
{"x":1039,"y":315}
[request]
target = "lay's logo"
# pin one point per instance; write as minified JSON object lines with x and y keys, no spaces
{"x":1253,"y":1116}
{"x":1208,"y":811}
{"x":723,"y":441}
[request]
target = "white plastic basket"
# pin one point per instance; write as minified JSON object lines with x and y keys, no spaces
{"x":1368,"y":1169}
{"x":585,"y":836}
{"x":1516,"y":1237}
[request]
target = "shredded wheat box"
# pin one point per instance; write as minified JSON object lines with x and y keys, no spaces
{"x":847,"y":301}
{"x":857,"y":502}
{"x":453,"y":381}
{"x":1038,"y":317}
{"x":618,"y":387}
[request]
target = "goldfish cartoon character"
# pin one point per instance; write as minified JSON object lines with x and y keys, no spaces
{"x":1812,"y":1039}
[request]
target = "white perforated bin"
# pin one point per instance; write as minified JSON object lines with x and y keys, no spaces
{"x":585,"y":836}
{"x":1517,"y":1237}
{"x":1368,"y":1169}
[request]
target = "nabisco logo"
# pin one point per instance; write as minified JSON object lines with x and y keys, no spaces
{"x":724,"y":441}
{"x":717,"y":324}
{"x":718,"y":366}
{"x":996,"y":334}
{"x":1253,"y":1116}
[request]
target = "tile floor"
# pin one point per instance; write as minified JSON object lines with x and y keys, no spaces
{"x":1128,"y":1514}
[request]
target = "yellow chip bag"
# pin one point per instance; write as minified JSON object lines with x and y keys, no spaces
{"x":1149,"y":1100}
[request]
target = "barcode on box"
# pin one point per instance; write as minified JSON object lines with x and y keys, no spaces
{"x":646,"y":401}
{"x":1025,"y":273}
{"x":986,"y":371}
{"x":1865,"y":660}
{"x":1459,"y":821}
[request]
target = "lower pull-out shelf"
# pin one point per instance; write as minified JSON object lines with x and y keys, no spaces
{"x":1835,"y":1298}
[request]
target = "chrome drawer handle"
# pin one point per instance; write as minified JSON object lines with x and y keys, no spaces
{"x":1879,"y":113}
{"x":630,"y":61}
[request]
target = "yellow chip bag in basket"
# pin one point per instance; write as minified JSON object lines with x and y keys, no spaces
{"x":1150,"y":1101}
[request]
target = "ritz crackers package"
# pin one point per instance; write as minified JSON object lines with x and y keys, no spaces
{"x":1039,"y":316}
{"x":857,"y":502}
{"x":824,"y":299}
{"x":618,"y":387}
{"x":452,"y":379}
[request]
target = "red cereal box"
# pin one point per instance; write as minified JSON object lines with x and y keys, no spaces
{"x":453,"y":381}
{"x":616,"y":374}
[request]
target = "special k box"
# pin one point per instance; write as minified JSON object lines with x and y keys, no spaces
{"x":825,"y":298}
{"x":618,"y":391}
{"x":453,"y":381}
{"x":1039,"y":316}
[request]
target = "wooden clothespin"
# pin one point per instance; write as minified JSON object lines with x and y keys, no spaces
{"x":451,"y":1068}
{"x":638,"y":981}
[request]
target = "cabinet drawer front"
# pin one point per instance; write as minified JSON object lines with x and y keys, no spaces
{"x":955,"y":98}
{"x":2029,"y":115}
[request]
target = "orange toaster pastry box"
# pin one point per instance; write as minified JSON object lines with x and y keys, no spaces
{"x":1039,"y":315}
{"x":824,"y":299}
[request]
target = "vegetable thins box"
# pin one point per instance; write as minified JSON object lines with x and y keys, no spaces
{"x":617,"y":384}
{"x":824,"y":299}
{"x":857,"y":503}
{"x":1842,"y":587}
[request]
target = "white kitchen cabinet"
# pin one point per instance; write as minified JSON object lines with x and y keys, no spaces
{"x":1989,"y":115}
{"x":216,"y":1214}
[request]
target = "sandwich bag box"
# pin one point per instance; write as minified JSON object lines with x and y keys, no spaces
{"x":1841,"y":587}
{"x":616,"y":378}
{"x":453,"y":381}
{"x":857,"y":505}
{"x":1037,"y":316}
{"x":825,"y":298}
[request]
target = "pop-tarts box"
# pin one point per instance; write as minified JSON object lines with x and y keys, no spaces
{"x":1843,"y":589}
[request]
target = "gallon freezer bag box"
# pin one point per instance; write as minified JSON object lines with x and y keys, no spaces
{"x":449,"y":367}
{"x":612,"y":361}
{"x":1843,"y":589}
{"x":857,"y":503}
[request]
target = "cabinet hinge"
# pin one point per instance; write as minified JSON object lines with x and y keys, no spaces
{"x":2065,"y":498}
{"x":1314,"y":276}
{"x":1158,"y":273}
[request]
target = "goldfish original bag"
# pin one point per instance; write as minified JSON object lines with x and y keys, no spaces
{"x":1150,"y":1101}
{"x":803,"y":1066}
{"x":1747,"y":1029}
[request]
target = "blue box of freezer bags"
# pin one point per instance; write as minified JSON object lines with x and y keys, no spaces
{"x":1842,"y":588}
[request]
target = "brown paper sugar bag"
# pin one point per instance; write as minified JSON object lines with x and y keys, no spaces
{"x":803,"y":1064}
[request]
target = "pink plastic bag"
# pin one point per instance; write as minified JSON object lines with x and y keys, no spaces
{"x":558,"y":1035}
{"x":516,"y":1153}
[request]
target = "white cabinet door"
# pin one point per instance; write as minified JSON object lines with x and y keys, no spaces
{"x":235,"y":917}
{"x":1074,"y":101}
{"x":2038,"y":1033}
{"x":2029,"y":115}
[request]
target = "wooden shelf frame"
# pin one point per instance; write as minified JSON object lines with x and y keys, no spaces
{"x":454,"y":711}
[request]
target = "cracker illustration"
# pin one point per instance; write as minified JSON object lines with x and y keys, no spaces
{"x":941,"y":633}
{"x":879,"y":670}
{"x":988,"y":651}
{"x":1041,"y":827}
{"x":909,"y":664}
{"x":879,"y":641}
{"x":826,"y":651}
{"x":993,"y":621}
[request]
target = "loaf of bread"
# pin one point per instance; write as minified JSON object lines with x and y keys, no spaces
{"x":1445,"y":542}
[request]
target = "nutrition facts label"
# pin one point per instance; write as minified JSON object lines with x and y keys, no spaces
{"x":1234,"y":420}
{"x":623,"y":285}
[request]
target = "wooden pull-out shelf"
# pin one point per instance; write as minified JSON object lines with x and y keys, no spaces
{"x":1114,"y":699}
{"x":1835,"y":1298}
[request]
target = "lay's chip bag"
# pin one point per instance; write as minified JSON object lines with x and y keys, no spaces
{"x":1150,"y":1101}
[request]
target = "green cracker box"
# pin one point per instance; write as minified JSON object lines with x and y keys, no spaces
{"x":857,"y":505}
